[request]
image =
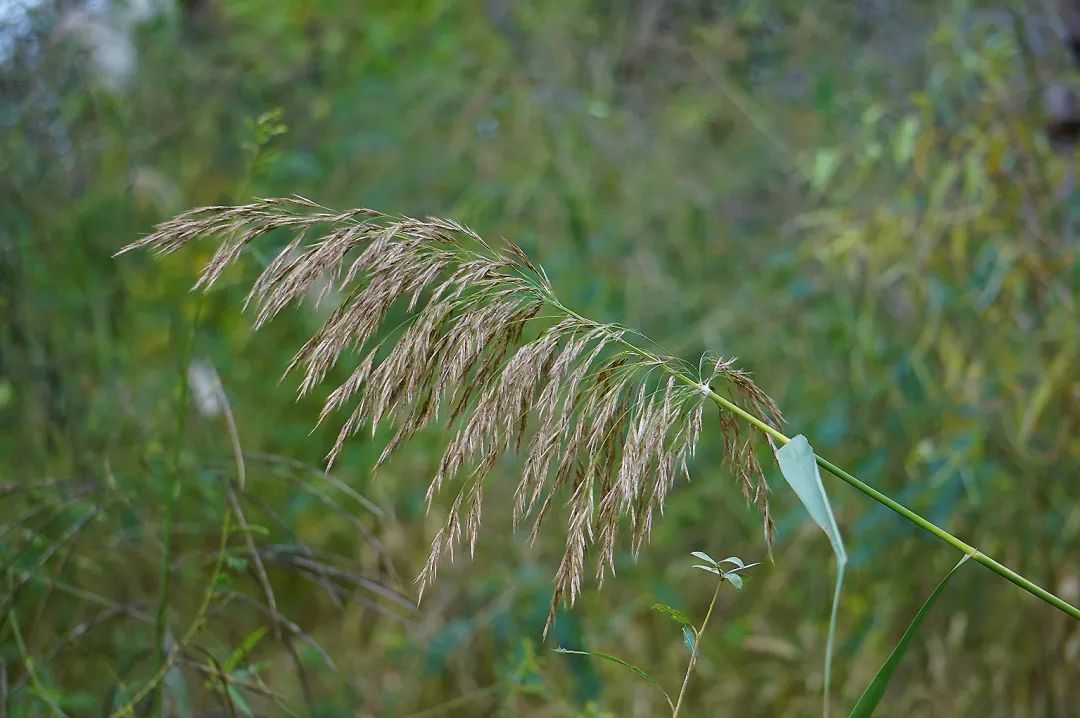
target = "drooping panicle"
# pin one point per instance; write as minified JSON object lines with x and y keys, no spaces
{"x":488,"y":350}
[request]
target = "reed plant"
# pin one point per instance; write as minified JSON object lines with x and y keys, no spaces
{"x":452,"y":330}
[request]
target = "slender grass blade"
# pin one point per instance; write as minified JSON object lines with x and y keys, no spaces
{"x":876,"y":690}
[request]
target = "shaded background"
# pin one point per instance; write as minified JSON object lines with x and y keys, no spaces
{"x":860,"y":200}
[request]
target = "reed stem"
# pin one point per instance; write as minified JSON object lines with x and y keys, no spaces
{"x":995,"y":566}
{"x":923,"y":523}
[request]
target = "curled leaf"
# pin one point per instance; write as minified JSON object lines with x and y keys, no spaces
{"x":689,"y":638}
{"x":673,"y":613}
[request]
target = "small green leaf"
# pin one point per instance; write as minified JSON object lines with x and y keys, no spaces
{"x":735,"y":561}
{"x":702,"y":556}
{"x":250,"y":528}
{"x":672,"y":612}
{"x":238,"y":701}
{"x":689,"y":638}
{"x":246,"y":646}
{"x":710,"y":569}
{"x":236,"y":563}
{"x":823,"y":168}
{"x":874,"y":692}
{"x":904,"y":145}
{"x":734,"y":579}
{"x":620,"y":662}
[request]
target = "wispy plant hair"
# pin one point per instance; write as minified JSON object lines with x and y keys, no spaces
{"x":489,"y":351}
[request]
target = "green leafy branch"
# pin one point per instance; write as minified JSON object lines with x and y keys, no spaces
{"x":691,"y":633}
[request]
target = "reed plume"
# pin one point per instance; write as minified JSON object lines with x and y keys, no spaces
{"x":488,"y":350}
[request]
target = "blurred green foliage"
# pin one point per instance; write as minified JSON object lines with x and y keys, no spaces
{"x":857,"y":199}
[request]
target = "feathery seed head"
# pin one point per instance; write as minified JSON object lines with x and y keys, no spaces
{"x":600,"y":419}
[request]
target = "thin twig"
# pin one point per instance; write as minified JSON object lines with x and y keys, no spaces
{"x":698,"y":633}
{"x":162,"y":620}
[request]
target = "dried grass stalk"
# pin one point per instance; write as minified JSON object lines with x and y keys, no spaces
{"x":490,"y":351}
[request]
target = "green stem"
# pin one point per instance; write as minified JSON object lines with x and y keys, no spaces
{"x":995,"y":566}
{"x":171,"y":500}
{"x":698,"y":633}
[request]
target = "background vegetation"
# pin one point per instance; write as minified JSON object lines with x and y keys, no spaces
{"x":858,"y":199}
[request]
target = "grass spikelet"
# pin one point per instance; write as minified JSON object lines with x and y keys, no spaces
{"x":488,"y":350}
